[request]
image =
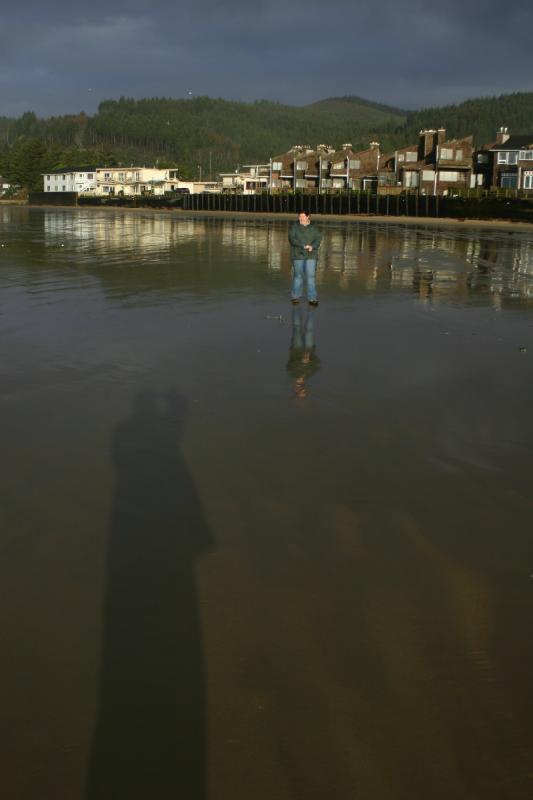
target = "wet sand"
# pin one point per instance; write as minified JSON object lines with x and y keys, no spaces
{"x":217,"y":588}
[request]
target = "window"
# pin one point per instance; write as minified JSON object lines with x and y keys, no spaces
{"x":107,"y":176}
{"x":338,"y":183}
{"x":446,"y":153}
{"x":458,"y":155}
{"x":410,"y":180}
{"x":449,"y":177}
{"x":301,"y":183}
{"x":48,"y":177}
{"x":526,"y":155}
{"x":302,"y":165}
{"x":411,"y":155}
{"x":339,"y":165}
{"x":401,"y":157}
{"x":482,"y":158}
{"x":528,"y":180}
{"x":428,"y":175}
{"x":47,"y":188}
{"x":277,"y":166}
{"x":355,"y":163}
{"x":89,"y":176}
{"x":507,"y":157}
{"x":509,"y":180}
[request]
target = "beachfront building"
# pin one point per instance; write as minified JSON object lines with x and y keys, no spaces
{"x":325,"y":169}
{"x":251,"y":179}
{"x":435,"y":165}
{"x":137,"y":181}
{"x":130,"y":181}
{"x":345,"y":169}
{"x":72,"y":179}
{"x":295,"y":169}
{"x":195,"y":187}
{"x":512,"y":161}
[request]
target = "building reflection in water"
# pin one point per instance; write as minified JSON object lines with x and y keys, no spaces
{"x":451,"y":263}
{"x":303,"y":361}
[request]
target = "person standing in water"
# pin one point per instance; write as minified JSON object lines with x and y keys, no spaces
{"x":305,"y":240}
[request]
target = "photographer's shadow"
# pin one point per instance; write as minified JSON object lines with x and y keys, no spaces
{"x":150,"y":736}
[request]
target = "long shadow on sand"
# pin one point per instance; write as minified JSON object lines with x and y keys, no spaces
{"x":150,"y":736}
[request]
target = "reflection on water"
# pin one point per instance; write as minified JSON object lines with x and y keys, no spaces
{"x":466,"y":265}
{"x":361,"y":628}
{"x":303,"y":360}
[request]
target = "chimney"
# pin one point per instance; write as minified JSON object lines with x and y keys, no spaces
{"x":374,"y":145}
{"x":347,"y":146}
{"x":426,"y":143}
{"x":441,"y":136}
{"x":502,"y":135}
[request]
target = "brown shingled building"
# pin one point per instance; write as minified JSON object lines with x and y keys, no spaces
{"x":433,"y":165}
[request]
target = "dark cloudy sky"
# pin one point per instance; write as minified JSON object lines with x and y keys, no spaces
{"x":63,"y":56}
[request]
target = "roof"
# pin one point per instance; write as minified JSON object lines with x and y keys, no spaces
{"x":515,"y":143}
{"x":68,"y":170}
{"x":463,"y":140}
{"x":407,"y":148}
{"x":386,"y":161}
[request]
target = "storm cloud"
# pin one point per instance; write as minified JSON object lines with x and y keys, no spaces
{"x":58,"y":58}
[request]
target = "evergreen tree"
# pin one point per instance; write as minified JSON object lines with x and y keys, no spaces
{"x":26,"y":163}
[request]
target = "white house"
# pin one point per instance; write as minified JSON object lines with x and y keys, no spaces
{"x":196,"y":187}
{"x":70,"y":180}
{"x":122,"y":181}
{"x":135,"y":180}
{"x":253,"y":179}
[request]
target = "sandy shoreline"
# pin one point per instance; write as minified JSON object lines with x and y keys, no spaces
{"x":332,"y":218}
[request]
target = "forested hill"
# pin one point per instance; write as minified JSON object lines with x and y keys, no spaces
{"x":219,"y":135}
{"x":367,"y":112}
{"x":481,"y":117}
{"x":203,"y":131}
{"x":232,"y":133}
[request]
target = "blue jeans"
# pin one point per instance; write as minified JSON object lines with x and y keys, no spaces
{"x":303,"y":336}
{"x":299,"y":267}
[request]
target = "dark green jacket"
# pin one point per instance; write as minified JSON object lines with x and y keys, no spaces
{"x":300,"y":235}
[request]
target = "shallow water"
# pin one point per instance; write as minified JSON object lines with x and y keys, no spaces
{"x":256,"y":551}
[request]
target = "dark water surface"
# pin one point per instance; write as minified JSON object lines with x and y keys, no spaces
{"x":250,"y":557}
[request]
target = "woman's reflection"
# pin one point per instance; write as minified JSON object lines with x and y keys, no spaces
{"x":303,"y":361}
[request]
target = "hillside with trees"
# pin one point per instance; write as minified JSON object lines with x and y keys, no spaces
{"x":217,"y":135}
{"x":224,"y":134}
{"x":481,"y":117}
